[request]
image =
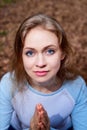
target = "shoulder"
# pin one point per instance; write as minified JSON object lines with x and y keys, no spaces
{"x":6,"y":84}
{"x":6,"y":79}
{"x":77,"y":87}
{"x":78,"y":82}
{"x":6,"y":75}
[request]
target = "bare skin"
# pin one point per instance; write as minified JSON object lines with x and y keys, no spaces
{"x":40,"y":120}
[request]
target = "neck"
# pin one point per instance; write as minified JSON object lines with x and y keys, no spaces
{"x":47,"y":87}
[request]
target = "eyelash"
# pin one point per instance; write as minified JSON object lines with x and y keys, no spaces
{"x":30,"y":53}
{"x":50,"y":51}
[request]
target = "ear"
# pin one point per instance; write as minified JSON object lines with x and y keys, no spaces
{"x":62,"y":56}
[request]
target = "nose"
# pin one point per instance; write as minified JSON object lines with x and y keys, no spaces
{"x":40,"y":61}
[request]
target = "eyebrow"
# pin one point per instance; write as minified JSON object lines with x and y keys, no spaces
{"x":49,"y":46}
{"x":52,"y":46}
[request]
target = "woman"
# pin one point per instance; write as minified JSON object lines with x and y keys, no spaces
{"x":43,"y":90}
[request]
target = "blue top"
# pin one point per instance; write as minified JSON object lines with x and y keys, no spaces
{"x":66,"y":107}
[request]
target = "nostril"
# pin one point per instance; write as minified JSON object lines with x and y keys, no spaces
{"x":40,"y":66}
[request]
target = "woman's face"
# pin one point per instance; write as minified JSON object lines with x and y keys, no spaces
{"x":41,"y":55}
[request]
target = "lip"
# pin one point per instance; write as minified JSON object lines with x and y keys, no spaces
{"x":41,"y":73}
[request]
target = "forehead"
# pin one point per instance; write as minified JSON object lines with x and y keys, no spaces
{"x":40,"y":37}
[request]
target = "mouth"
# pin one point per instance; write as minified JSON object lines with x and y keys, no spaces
{"x":41,"y":73}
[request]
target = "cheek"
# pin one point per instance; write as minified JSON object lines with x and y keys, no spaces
{"x":55,"y":62}
{"x":27,"y":63}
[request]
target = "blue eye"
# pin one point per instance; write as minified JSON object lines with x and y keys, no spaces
{"x":50,"y":51}
{"x":29,"y":53}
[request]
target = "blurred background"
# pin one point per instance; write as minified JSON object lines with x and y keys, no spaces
{"x":71,"y":14}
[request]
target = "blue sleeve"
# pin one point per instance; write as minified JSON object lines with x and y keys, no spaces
{"x":79,"y":114}
{"x":52,"y":128}
{"x":5,"y":103}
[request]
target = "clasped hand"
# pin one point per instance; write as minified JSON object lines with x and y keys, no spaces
{"x":40,"y":120}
